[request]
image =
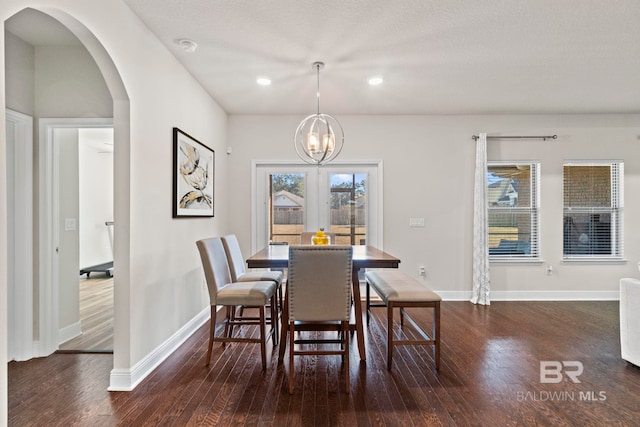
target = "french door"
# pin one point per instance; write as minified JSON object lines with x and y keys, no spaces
{"x":343,"y":199}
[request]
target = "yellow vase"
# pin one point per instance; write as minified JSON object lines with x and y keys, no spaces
{"x":320,"y":238}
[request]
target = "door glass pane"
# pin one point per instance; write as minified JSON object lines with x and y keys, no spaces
{"x":287,"y":207}
{"x":348,"y":208}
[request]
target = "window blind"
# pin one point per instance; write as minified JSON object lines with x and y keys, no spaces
{"x":593,"y":210}
{"x":513,"y":194}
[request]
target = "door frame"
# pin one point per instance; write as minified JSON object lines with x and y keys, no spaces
{"x":48,"y":219}
{"x":20,"y":250}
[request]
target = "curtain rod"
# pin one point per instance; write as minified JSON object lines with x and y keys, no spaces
{"x":543,"y":137}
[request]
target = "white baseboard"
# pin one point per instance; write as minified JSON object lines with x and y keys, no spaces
{"x":535,"y":295}
{"x":128,"y":379}
{"x":69,"y":332}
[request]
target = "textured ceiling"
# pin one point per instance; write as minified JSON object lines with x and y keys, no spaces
{"x":436,"y":57}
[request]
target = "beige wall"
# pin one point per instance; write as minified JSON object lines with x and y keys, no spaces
{"x":428,"y":173}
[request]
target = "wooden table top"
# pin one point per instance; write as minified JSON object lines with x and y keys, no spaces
{"x":277,"y":256}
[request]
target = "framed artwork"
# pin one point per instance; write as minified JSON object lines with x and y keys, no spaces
{"x":193,"y":173}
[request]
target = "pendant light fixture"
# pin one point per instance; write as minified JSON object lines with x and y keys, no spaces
{"x":319,"y":137}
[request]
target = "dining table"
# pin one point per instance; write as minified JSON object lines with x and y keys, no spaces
{"x":364,"y":256}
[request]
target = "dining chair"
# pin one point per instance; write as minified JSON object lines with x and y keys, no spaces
{"x":240,"y":274}
{"x":319,"y":299}
{"x":225,"y":292}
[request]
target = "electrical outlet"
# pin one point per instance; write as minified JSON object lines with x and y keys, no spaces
{"x":422,"y":271}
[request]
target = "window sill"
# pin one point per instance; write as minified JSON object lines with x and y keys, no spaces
{"x":595,"y":260}
{"x":515,"y":261}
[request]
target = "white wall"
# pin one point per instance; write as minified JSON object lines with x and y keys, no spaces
{"x":4,"y":320}
{"x":161,"y":280}
{"x":20,"y":74}
{"x":68,"y":267}
{"x":95,"y":164}
{"x":68,"y":83}
{"x":428,"y":173}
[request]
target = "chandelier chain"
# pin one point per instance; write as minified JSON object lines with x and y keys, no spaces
{"x":318,"y":65}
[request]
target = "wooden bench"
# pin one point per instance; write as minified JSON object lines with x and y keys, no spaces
{"x":397,"y":289}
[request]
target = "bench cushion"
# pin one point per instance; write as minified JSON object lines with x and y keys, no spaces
{"x":397,"y":286}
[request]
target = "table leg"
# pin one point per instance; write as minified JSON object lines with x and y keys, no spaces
{"x":358,"y":312}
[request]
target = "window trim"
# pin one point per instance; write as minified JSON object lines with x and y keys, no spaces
{"x":536,"y":248}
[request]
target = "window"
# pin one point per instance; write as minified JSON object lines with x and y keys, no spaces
{"x":287,"y":207}
{"x":593,"y":207}
{"x":345,"y":199}
{"x":349,"y":207}
{"x":512,"y":194}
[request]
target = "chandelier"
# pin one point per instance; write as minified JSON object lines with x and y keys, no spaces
{"x":319,"y":137}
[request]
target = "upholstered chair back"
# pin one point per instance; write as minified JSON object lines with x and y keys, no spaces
{"x":319,"y":283}
{"x":234,"y":256}
{"x":214,"y":263}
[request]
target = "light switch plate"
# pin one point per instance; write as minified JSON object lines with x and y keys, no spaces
{"x":69,"y":224}
{"x":416,"y":222}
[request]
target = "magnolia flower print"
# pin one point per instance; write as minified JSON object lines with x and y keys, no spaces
{"x":196,"y":176}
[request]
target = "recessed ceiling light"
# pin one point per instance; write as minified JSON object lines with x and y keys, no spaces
{"x":263,"y":81}
{"x":376,"y":80}
{"x":188,"y":45}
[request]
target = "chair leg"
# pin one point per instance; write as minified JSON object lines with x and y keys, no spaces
{"x":274,"y":321}
{"x":263,"y":338}
{"x":291,"y":331}
{"x":347,"y":371}
{"x":228,"y":329}
{"x":280,"y":298}
{"x":389,"y":334}
{"x":436,"y":333}
{"x":368,"y":296}
{"x":284,"y":330}
{"x":212,"y":331}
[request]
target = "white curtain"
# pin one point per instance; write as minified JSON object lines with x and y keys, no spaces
{"x":480,"y":294}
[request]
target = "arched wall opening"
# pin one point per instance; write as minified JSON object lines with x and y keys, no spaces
{"x":121,"y":124}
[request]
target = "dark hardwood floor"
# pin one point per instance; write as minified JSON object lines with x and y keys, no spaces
{"x":490,"y":376}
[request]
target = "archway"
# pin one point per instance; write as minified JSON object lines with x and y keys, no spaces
{"x":121,"y":120}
